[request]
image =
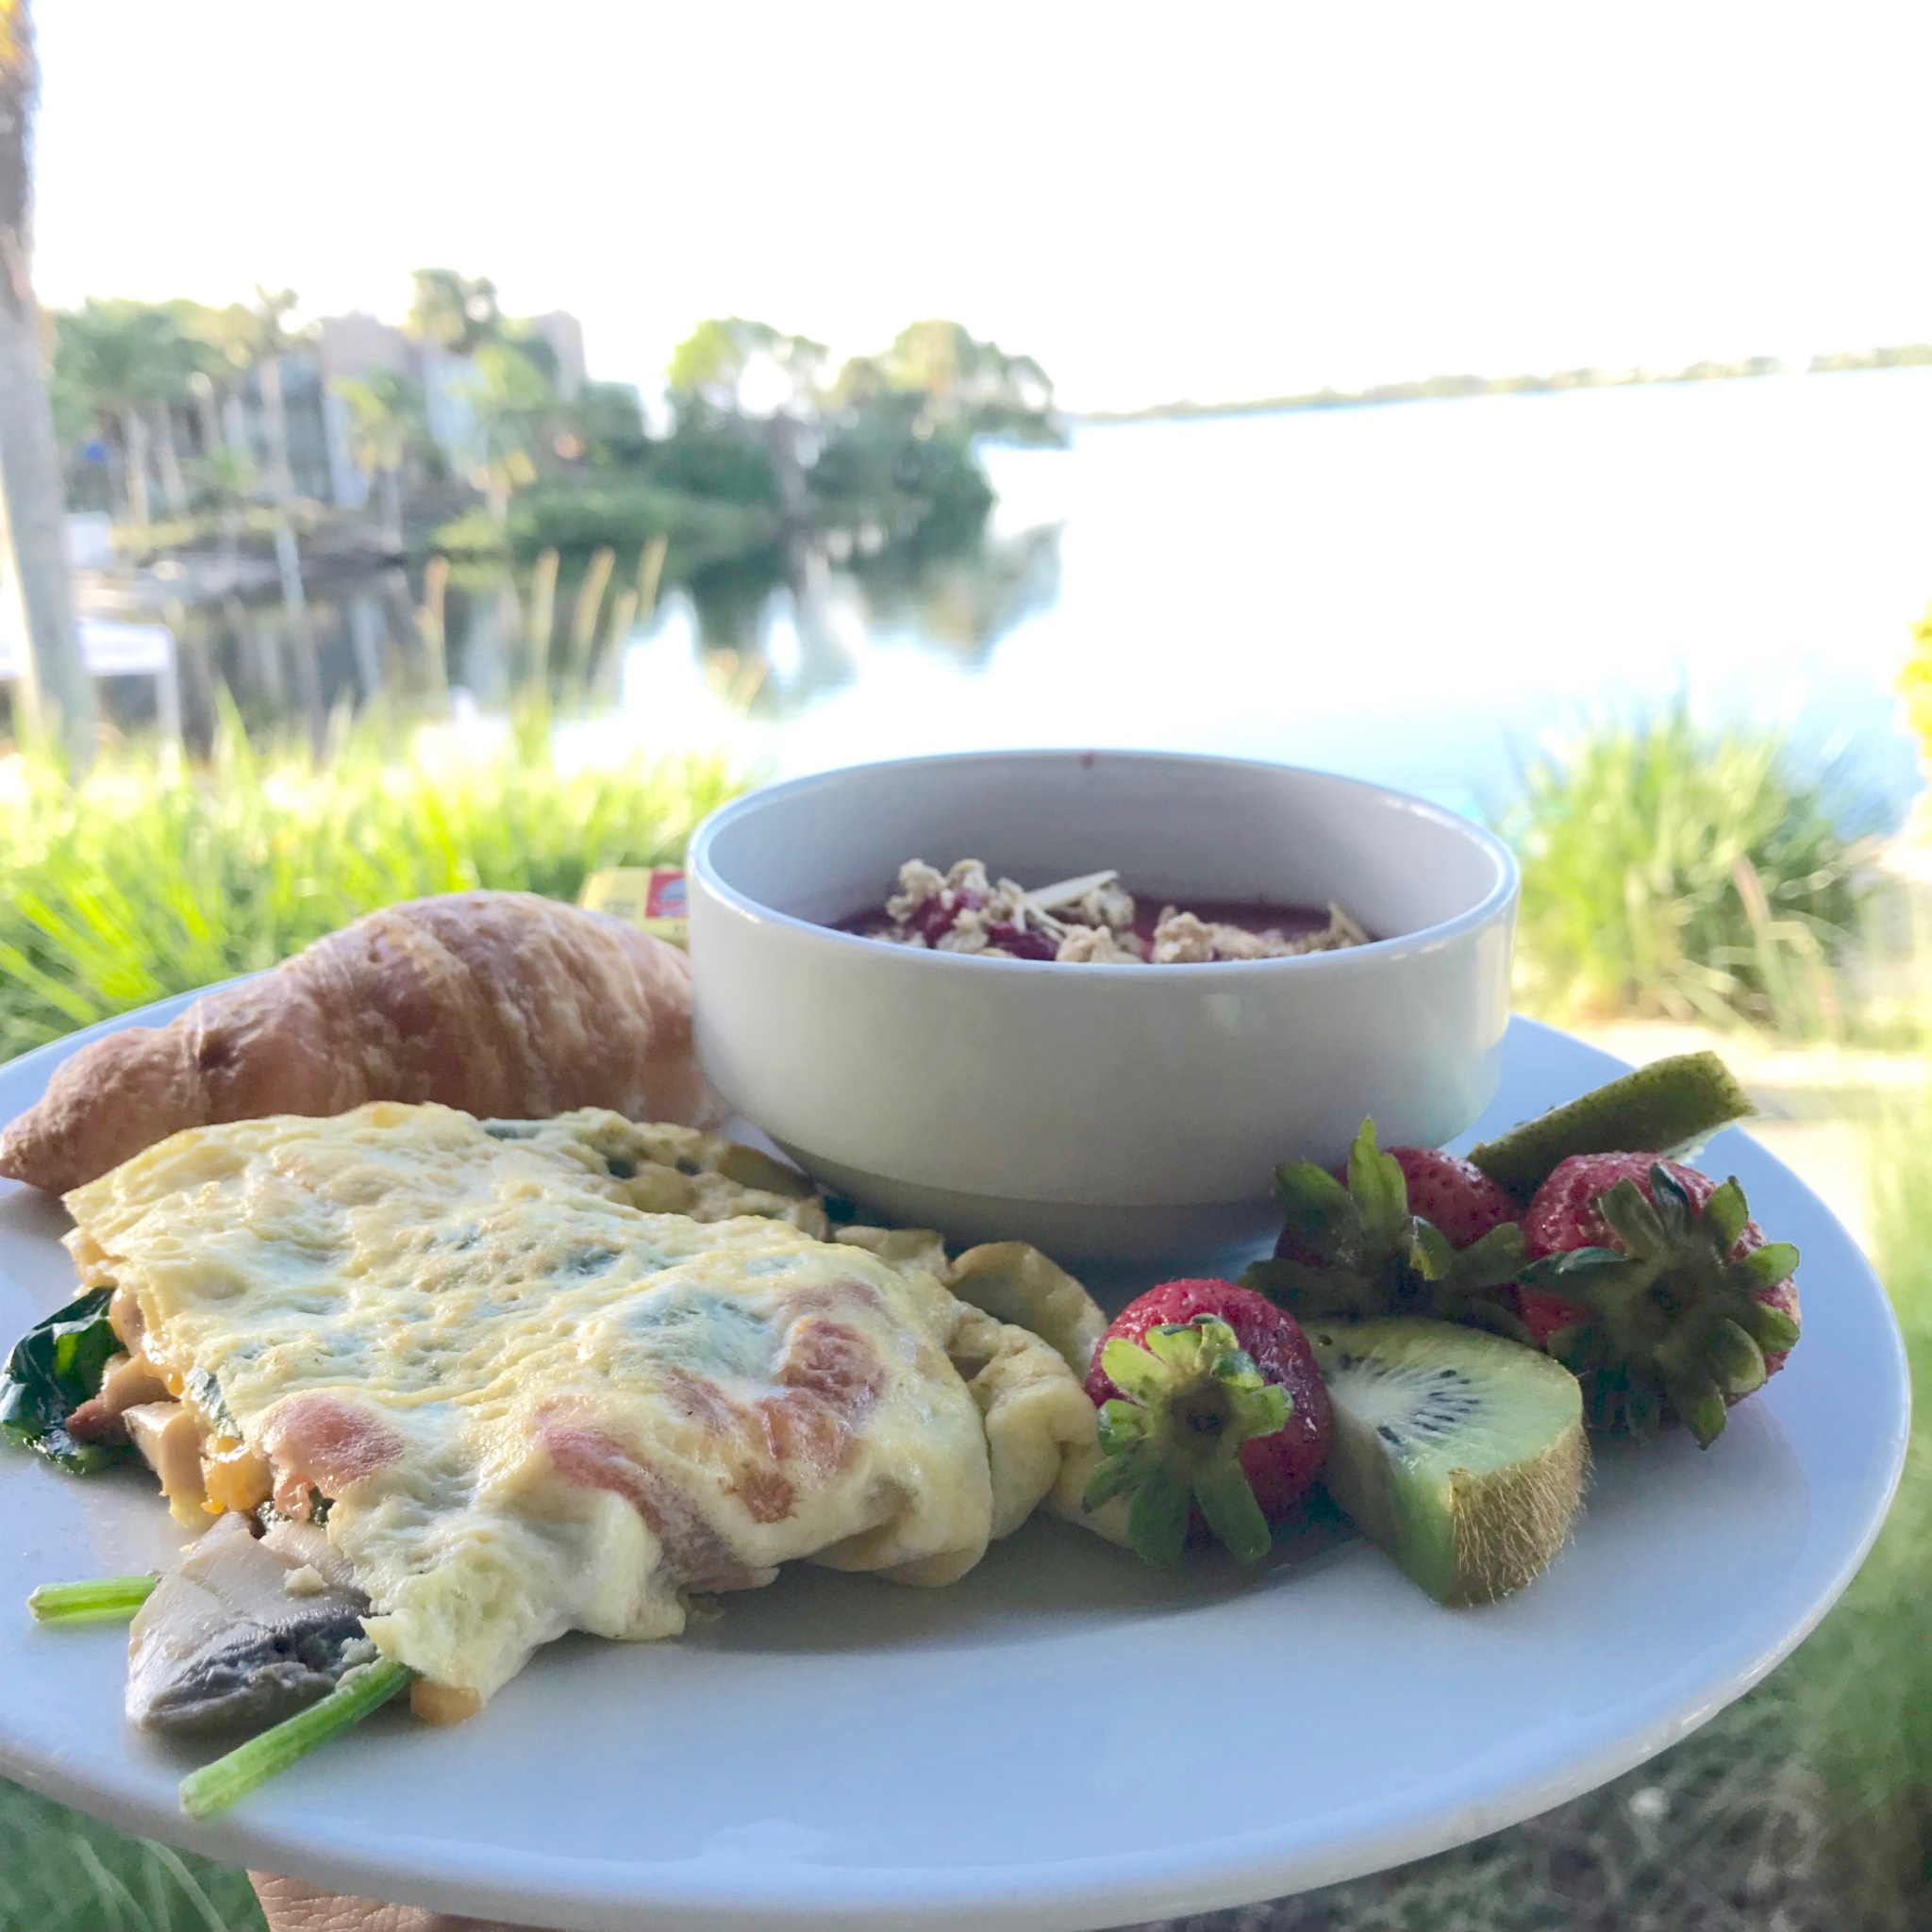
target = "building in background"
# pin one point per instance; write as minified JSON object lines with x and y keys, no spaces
{"x":322,"y":467}
{"x":349,"y":346}
{"x":565,"y":335}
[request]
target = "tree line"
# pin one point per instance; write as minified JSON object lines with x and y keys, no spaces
{"x":769,"y":440}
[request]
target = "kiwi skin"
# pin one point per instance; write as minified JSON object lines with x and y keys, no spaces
{"x":1466,"y":1536}
{"x":1669,"y":1107}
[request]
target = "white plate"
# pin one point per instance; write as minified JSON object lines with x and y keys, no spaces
{"x":1064,"y":1740}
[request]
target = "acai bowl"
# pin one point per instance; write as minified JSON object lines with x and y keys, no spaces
{"x":1119,"y":1109}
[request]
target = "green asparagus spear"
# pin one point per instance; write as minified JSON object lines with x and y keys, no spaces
{"x":100,"y":1600}
{"x":217,"y":1786}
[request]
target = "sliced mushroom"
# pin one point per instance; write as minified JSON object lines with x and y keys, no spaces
{"x":129,"y":1380}
{"x":126,"y":1318}
{"x":126,"y":1381}
{"x":223,"y":1644}
{"x":167,"y":1439}
{"x":306,"y":1546}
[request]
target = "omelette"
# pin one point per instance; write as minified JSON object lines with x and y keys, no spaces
{"x":509,"y":1379}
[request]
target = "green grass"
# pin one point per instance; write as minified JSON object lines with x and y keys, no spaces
{"x":1804,"y":1808}
{"x":1807,"y":1807}
{"x":152,"y":878}
{"x":60,"y":1872}
{"x":1865,"y":1679}
{"x":1681,"y":872}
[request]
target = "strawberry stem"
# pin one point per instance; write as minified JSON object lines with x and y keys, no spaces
{"x":1190,"y":1396}
{"x":1672,"y":1323}
{"x":1364,"y":1253}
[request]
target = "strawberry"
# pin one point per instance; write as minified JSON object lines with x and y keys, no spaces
{"x":1653,"y":1283}
{"x":934,"y":920}
{"x":1410,"y":1232}
{"x":1021,"y":942}
{"x":1453,"y":1194}
{"x":1212,"y":1413}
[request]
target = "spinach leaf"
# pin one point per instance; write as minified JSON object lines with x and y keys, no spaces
{"x":55,"y":1367}
{"x":207,"y":1392}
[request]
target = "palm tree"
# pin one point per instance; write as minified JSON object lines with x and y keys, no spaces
{"x":771,"y":383}
{"x":270,"y":342}
{"x":387,"y":424}
{"x":510,"y":394}
{"x":176,"y":367}
{"x":228,"y":479}
{"x":455,"y":311}
{"x":222,"y":341}
{"x":259,"y":337}
{"x":968,"y":384}
{"x":133,"y":364}
{"x":508,"y":385}
{"x":129,"y":360}
{"x":746,"y":369}
{"x":52,"y":691}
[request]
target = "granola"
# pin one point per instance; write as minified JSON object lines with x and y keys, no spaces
{"x":1089,"y":921}
{"x":1181,"y":939}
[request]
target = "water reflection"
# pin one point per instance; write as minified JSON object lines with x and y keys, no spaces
{"x":762,"y":642}
{"x":1418,"y":595}
{"x":817,"y":633}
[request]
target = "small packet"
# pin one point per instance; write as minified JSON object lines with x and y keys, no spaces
{"x":648,"y":897}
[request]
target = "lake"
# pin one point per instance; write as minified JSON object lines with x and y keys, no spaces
{"x":1419,"y":593}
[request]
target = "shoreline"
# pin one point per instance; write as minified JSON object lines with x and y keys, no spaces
{"x":1446,"y":388}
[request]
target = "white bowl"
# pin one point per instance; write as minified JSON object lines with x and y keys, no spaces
{"x":1124,"y":1111}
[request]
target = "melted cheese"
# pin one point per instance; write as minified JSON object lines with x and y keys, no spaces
{"x":540,"y":1408}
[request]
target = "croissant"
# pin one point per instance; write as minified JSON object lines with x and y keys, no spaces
{"x":497,"y":1003}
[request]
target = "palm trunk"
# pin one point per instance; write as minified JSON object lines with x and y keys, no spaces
{"x":391,"y":483}
{"x":281,"y":487}
{"x":53,"y":690}
{"x":301,"y":631}
{"x":173,"y":485}
{"x":134,"y":451}
{"x":197,"y":673}
{"x":208,"y":412}
{"x":55,"y":695}
{"x":432,"y":624}
{"x":365,"y":642}
{"x":266,"y":653}
{"x":781,"y":439}
{"x":274,"y":416}
{"x":235,"y":427}
{"x":117,"y":481}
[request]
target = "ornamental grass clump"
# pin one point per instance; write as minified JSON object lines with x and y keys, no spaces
{"x":1676,"y":872}
{"x":152,"y":878}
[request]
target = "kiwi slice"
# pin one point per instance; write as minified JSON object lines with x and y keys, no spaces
{"x":1669,"y":1107}
{"x":1460,"y":1452}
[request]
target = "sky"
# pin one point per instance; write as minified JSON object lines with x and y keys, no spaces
{"x":1156,"y":201}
